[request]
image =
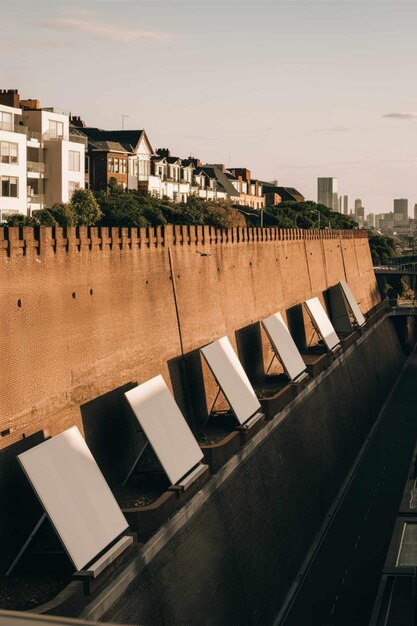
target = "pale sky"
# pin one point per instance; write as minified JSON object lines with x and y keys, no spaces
{"x":291,"y":89}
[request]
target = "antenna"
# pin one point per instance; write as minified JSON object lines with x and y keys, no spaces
{"x":122,"y":115}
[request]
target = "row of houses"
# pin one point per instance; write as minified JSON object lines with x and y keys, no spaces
{"x":47,"y":154}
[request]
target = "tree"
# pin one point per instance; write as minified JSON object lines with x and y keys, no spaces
{"x":309,"y":215}
{"x":44,"y":217}
{"x":120,"y":208}
{"x":19,"y":220}
{"x":86,"y":208}
{"x":382,"y":248}
{"x":63,"y":214}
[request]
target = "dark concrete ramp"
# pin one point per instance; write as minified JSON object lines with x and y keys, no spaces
{"x":340,"y":585}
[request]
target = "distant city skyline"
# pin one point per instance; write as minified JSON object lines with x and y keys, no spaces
{"x":247,"y":83}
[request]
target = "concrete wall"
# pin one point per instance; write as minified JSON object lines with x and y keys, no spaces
{"x":234,"y":560}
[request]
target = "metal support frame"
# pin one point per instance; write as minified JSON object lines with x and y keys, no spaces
{"x":275,"y":356}
{"x":219,"y":391}
{"x":26,"y":544}
{"x":315,"y":332}
{"x":132,"y":469}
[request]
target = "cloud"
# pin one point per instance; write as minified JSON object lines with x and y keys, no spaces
{"x":401,"y":116}
{"x":333,"y":129}
{"x":116,"y":33}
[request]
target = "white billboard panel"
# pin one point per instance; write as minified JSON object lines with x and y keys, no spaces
{"x":353,"y":305}
{"x":74,"y":494}
{"x":231,"y":377}
{"x":322,"y":323}
{"x":165,"y":428}
{"x":284,"y":345}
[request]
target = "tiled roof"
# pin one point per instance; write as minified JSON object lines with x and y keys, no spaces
{"x":108,"y":146}
{"x":223,"y":181}
{"x":129,"y":139}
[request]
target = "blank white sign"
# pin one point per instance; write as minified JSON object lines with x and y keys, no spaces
{"x":231,"y":377}
{"x":322,"y":323}
{"x":165,"y":428}
{"x":284,"y":345}
{"x":74,"y":494}
{"x":353,"y":305}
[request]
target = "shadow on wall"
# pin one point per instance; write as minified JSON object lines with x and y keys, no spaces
{"x":110,"y":432}
{"x":249,"y":348}
{"x":193,"y":390}
{"x":182,"y":387}
{"x":187,"y":380}
{"x":20,"y":508}
{"x":296,"y":326}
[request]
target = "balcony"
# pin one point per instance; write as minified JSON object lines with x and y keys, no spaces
{"x":30,"y":134}
{"x":79,"y":139}
{"x":48,"y":136}
{"x":34,"y":166}
{"x":36,"y":198}
{"x":57,"y":110}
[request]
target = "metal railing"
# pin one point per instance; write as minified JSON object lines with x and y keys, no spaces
{"x":36,"y":198}
{"x":35,"y":166}
{"x":78,"y":139}
{"x":30,"y":134}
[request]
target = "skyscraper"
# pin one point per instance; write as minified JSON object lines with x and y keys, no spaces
{"x":327,"y":192}
{"x":401,"y":212}
{"x":370,"y":218}
{"x":345,"y":205}
{"x":415,"y":211}
{"x":359,"y":212}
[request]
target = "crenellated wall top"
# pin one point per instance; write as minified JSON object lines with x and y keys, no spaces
{"x":46,"y":240}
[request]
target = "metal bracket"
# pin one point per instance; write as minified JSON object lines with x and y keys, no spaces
{"x":132,"y":469}
{"x":26,"y":544}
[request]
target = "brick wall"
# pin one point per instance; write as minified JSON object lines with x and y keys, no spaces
{"x":88,"y":311}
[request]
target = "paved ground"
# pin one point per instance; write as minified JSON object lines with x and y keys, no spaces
{"x":340,"y":586}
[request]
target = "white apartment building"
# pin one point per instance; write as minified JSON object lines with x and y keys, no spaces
{"x":41,"y":163}
{"x":13,"y":167}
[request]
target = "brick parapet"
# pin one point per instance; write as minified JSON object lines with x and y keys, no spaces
{"x":46,"y":241}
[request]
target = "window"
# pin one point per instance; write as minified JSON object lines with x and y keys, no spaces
{"x":116,"y":165}
{"x":111,"y":164}
{"x":123,"y":166}
{"x":9,"y":187}
{"x":72,"y":186}
{"x":8,"y":152}
{"x":56,"y":129}
{"x":144,"y":169}
{"x":7,"y":213}
{"x":73,"y":161}
{"x":6,"y":121}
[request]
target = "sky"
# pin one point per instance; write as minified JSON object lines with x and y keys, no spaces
{"x":291,"y":89}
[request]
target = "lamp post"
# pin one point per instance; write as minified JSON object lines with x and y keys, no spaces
{"x":318,"y":214}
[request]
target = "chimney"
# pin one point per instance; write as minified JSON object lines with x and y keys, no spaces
{"x":76,"y":120}
{"x":196,"y":162}
{"x":10,"y":98}
{"x":30,"y":105}
{"x":163,"y":152}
